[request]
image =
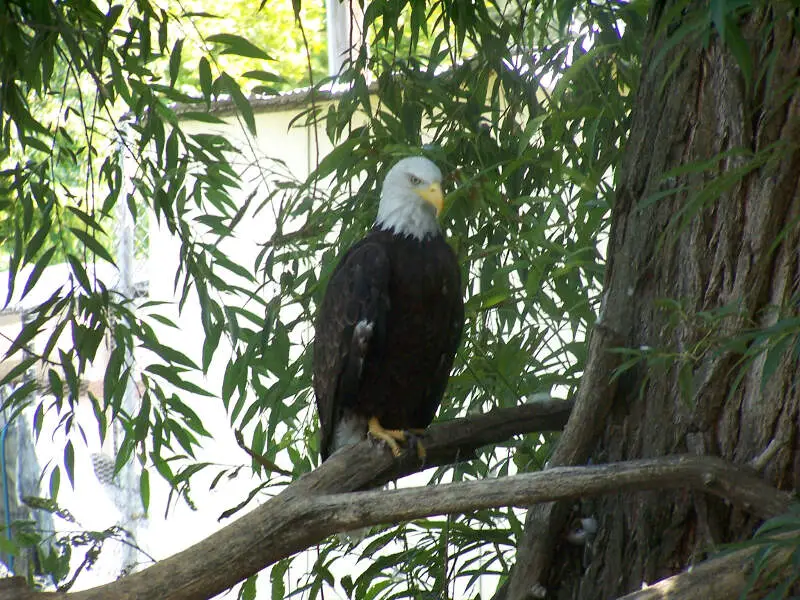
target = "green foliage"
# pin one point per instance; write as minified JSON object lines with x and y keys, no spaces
{"x":88,"y":131}
{"x":530,"y":154}
{"x":525,"y":106}
{"x":502,"y":96}
{"x":723,"y":331}
{"x":278,"y":56}
{"x":54,"y":551}
{"x":774,"y":535}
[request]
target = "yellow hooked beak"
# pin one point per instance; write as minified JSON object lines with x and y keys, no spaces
{"x":433,"y":195}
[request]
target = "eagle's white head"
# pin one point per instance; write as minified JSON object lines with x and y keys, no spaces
{"x":411,"y":198}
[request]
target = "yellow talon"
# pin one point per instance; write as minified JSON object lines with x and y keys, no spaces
{"x":422,"y":454}
{"x":393,"y":436}
{"x":390,"y":436}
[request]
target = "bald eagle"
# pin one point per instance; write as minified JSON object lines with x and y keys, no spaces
{"x":390,"y":321}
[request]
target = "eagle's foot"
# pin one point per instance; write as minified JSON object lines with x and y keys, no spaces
{"x":414,"y":440}
{"x":390,"y":436}
{"x":395,"y":437}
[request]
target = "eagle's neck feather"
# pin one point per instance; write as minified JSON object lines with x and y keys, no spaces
{"x":413,"y":219}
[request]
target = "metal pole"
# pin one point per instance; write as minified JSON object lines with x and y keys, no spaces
{"x":339,"y":27}
{"x":129,"y":499}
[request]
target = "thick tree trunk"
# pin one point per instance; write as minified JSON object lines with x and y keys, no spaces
{"x":704,"y":246}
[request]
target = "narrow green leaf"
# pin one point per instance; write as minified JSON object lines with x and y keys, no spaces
{"x":163,"y":468}
{"x":213,"y":335}
{"x":18,"y":370}
{"x":86,"y":340}
{"x":167,"y":353}
{"x":88,"y":219}
{"x":141,"y":425}
{"x":69,"y":462}
{"x":111,"y":16}
{"x":55,"y":482}
{"x":229,"y":380}
{"x":92,"y":244}
{"x":739,"y":47}
{"x":239,"y":99}
{"x":172,"y":376}
{"x":70,"y":374}
{"x":202,"y":117}
{"x":233,"y":267}
{"x":54,"y":337}
{"x":21,"y":396}
{"x":14,"y":263}
{"x":175,"y":62}
{"x":264,"y":76}
{"x":144,"y":489}
{"x":8,"y":546}
{"x":34,"y":142}
{"x":100,"y":417}
{"x":119,"y":78}
{"x":36,"y":242}
{"x":236,"y":44}
{"x":775,"y":354}
{"x":190,"y":417}
{"x":80,"y":273}
{"x":248,"y":589}
{"x":38,"y":420}
{"x":172,"y":94}
{"x":204,"y":71}
{"x":187,"y":441}
{"x":123,"y":454}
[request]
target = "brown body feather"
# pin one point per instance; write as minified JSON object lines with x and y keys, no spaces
{"x":406,"y":294}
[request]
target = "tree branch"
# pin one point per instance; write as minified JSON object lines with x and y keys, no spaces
{"x":307,"y":512}
{"x":281,"y":528}
{"x":446,"y":442}
{"x":269,"y":532}
{"x":724,"y":577}
{"x":332,"y":513}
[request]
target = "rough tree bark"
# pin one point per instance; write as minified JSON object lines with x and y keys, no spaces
{"x":687,"y":245}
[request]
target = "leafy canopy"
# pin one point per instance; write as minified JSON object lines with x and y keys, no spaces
{"x":525,"y":106}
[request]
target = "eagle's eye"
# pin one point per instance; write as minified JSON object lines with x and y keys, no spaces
{"x":414,"y":180}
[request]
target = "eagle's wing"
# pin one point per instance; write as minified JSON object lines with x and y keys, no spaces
{"x":351,"y":323}
{"x":455,"y":328}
